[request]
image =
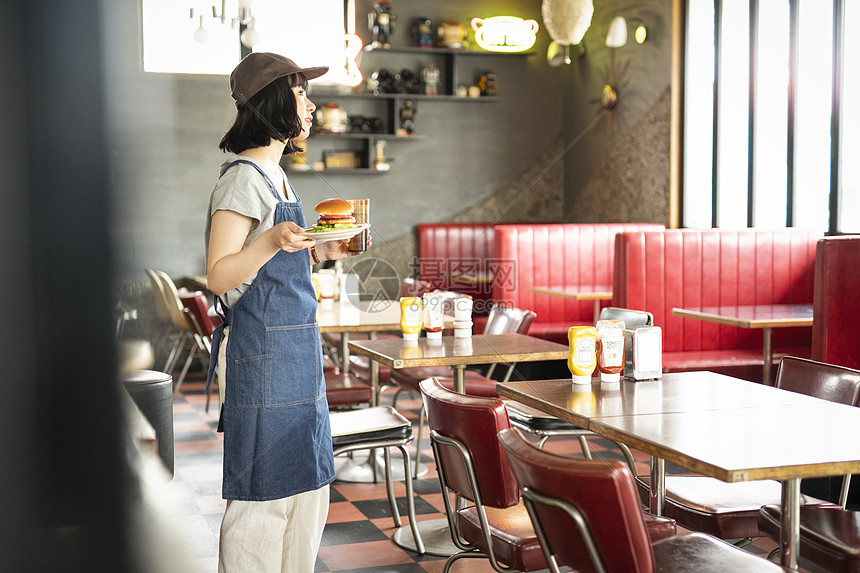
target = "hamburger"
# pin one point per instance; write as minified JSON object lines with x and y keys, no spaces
{"x":334,"y":214}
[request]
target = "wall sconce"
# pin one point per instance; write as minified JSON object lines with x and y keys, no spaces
{"x":566,"y":21}
{"x":250,"y":36}
{"x":616,"y":38}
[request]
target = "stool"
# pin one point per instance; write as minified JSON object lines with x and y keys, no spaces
{"x":152,"y":391}
{"x":379,"y":427}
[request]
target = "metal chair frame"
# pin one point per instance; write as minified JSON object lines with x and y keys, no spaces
{"x":532,"y":498}
{"x":386,"y":445}
{"x":467,"y":550}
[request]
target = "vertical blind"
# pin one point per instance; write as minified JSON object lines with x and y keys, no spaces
{"x":771,"y":115}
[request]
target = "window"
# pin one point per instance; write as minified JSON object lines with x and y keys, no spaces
{"x":757,"y":133}
{"x":310,"y":33}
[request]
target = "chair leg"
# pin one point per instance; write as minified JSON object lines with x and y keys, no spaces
{"x":188,"y":361}
{"x":389,"y":487}
{"x":410,"y":503}
{"x":175,"y":352}
{"x":421,"y":415}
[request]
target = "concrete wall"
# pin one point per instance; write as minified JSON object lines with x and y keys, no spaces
{"x":546,"y":150}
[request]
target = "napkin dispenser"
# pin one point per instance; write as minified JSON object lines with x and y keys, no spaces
{"x":643,"y":352}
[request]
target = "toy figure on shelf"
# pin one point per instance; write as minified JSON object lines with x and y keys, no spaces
{"x":431,"y":76}
{"x":408,"y":82}
{"x":381,"y":23}
{"x":407,"y":118}
{"x":451,"y":34}
{"x":384,"y":82}
{"x":380,"y":162}
{"x":331,"y":118}
{"x":488,"y":83}
{"x":422,"y":32}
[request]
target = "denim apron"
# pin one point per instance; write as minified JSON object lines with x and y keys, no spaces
{"x":277,"y":437}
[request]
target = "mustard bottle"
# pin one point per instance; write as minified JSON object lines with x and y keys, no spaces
{"x":410,"y":317}
{"x":582,"y":358}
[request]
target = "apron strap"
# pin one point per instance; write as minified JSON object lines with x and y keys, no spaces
{"x":216,"y":342}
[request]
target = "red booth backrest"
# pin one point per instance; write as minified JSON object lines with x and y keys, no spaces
{"x":714,"y":267}
{"x":530,"y":255}
{"x":453,"y":247}
{"x":836,"y":327}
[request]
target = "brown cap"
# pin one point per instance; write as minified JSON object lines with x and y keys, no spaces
{"x":259,"y":69}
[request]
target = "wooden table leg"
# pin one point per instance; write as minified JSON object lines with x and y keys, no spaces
{"x":344,"y":352}
{"x":460,"y":378}
{"x":658,"y":485}
{"x":374,"y":382}
{"x":789,"y":530}
{"x":767,"y":344}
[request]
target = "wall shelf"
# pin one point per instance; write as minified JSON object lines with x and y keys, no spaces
{"x":450,"y":72}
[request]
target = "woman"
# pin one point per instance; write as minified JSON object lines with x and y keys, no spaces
{"x":277,"y":440}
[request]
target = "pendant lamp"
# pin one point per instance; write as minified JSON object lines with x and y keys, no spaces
{"x":567,"y":21}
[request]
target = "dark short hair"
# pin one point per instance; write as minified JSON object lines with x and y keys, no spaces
{"x":269,"y":114}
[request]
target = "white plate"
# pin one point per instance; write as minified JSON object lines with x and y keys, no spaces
{"x":335,"y":235}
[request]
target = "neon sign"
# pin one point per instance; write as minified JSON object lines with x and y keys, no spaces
{"x":505,"y":33}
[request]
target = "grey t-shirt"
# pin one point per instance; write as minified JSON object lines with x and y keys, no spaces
{"x":242,"y":189}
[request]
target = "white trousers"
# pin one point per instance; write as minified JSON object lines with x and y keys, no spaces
{"x":282,"y":535}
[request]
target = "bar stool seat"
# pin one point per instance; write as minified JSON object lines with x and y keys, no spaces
{"x":380,"y":427}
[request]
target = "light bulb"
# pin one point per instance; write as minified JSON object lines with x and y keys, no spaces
{"x":200,"y":34}
{"x":616,"y":37}
{"x":246,"y":4}
{"x":250,"y":37}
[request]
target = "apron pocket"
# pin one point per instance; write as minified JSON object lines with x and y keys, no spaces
{"x":249,"y":381}
{"x":293,"y":365}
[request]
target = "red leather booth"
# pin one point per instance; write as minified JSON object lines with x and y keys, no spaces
{"x":836,"y":310}
{"x":446,"y":250}
{"x":529,"y":255}
{"x":715,"y":267}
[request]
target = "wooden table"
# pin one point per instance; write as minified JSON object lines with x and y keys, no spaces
{"x":582,"y":292}
{"x":344,"y":317}
{"x":697,"y":420}
{"x":368,"y":316}
{"x":458,"y":352}
{"x":761,"y":316}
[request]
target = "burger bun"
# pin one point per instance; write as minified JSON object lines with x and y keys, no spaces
{"x":334,"y":207}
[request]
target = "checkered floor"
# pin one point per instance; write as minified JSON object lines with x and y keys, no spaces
{"x":358,"y":533}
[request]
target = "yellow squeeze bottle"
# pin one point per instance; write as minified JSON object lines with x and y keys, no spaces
{"x":582,"y":357}
{"x":410,"y":317}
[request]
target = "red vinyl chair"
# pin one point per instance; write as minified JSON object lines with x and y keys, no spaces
{"x":731,"y":510}
{"x":489,"y":519}
{"x":197,"y":310}
{"x":587,"y":516}
{"x":829,"y":536}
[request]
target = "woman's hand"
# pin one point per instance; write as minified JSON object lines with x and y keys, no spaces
{"x":285,"y":237}
{"x":332,"y":250}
